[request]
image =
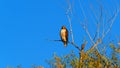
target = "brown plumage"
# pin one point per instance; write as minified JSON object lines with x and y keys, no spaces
{"x":64,"y":35}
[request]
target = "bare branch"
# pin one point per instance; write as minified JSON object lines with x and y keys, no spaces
{"x":70,"y":28}
{"x":82,"y":10}
{"x":75,"y":45}
{"x":55,"y":40}
{"x":97,"y":34}
{"x":101,"y":18}
{"x":69,"y":10}
{"x":96,"y":19}
{"x":85,"y":28}
{"x":112,"y":19}
{"x":93,"y":46}
{"x":89,"y":36}
{"x":97,"y":22}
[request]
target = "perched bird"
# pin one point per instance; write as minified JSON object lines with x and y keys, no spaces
{"x":64,"y":35}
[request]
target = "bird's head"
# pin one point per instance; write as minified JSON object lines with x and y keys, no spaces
{"x":63,"y":27}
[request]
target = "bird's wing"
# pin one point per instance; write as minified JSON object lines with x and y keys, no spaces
{"x":66,"y":34}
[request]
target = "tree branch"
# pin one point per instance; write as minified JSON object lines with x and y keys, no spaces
{"x":75,"y":45}
{"x":90,"y":50}
{"x":69,"y":10}
{"x":86,"y":29}
{"x":112,"y":19}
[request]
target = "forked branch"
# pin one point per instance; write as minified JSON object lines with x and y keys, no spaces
{"x":112,"y":19}
{"x":68,"y":13}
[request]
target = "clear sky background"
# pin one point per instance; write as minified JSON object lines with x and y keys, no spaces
{"x":26,"y":26}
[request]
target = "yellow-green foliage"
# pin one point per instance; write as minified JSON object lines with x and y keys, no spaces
{"x":93,"y":59}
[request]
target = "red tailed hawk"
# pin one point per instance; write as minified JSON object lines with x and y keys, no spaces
{"x":64,"y":35}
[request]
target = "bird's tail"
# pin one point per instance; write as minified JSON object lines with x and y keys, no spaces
{"x":65,"y":44}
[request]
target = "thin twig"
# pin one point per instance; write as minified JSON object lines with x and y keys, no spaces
{"x":70,"y":28}
{"x":93,"y":46}
{"x":69,"y":10}
{"x":101,"y":18}
{"x":82,"y":9}
{"x":75,"y":45}
{"x":96,"y":19}
{"x":55,"y":40}
{"x":89,"y":36}
{"x":84,"y":26}
{"x":112,"y":19}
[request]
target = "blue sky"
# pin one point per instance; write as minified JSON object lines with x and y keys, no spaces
{"x":26,"y":26}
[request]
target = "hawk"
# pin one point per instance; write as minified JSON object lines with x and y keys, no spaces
{"x":64,"y":35}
